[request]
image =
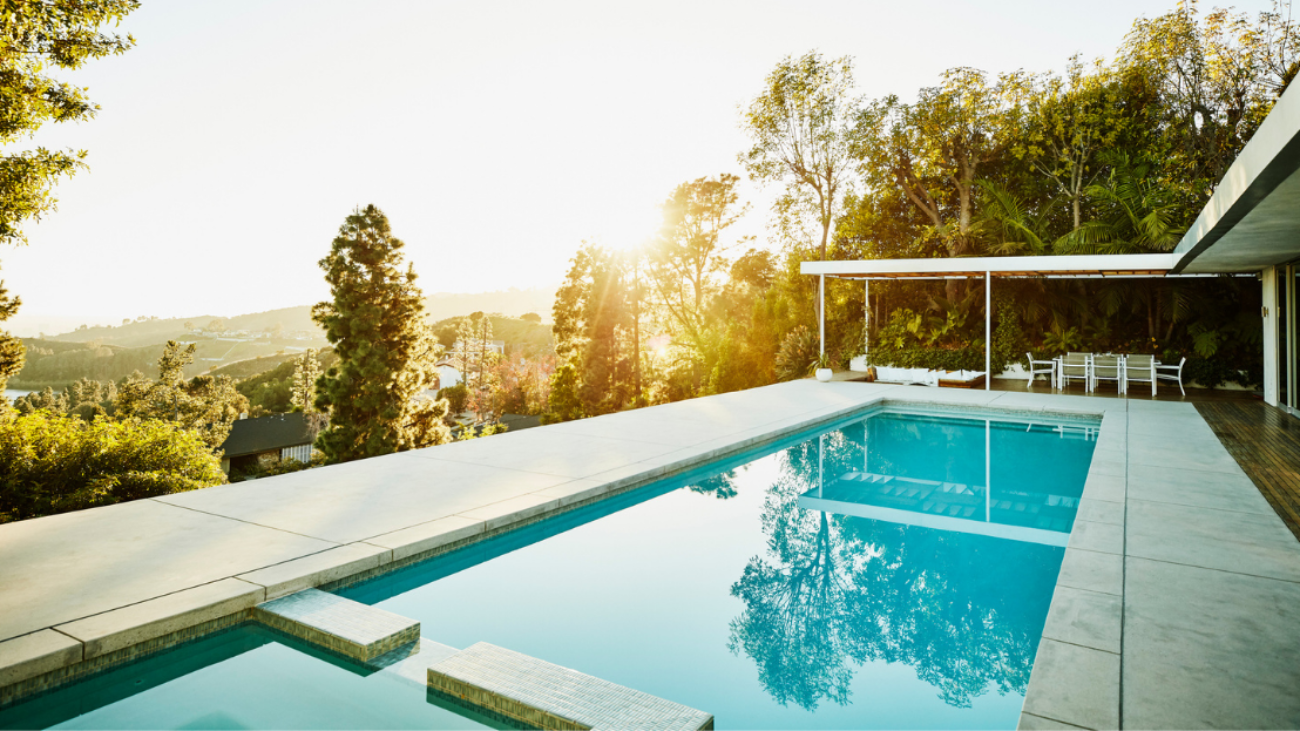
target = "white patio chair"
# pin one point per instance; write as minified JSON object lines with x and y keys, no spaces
{"x":1074,"y":365}
{"x":1172,"y":373}
{"x":1107,"y":368}
{"x":1140,"y":369}
{"x":1041,"y":366}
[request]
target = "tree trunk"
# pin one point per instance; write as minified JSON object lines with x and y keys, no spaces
{"x":636,"y":331}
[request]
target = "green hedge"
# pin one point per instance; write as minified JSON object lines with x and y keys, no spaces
{"x":935,"y":359}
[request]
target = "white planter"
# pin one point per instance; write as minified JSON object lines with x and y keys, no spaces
{"x":824,"y":374}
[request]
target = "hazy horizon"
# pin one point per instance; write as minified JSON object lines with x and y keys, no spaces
{"x":30,"y":326}
{"x":235,"y":137}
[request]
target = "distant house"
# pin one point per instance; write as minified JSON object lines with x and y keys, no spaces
{"x":448,"y":374}
{"x":495,"y":346}
{"x":266,"y":440}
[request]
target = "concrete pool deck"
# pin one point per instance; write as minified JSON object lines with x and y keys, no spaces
{"x":1176,"y":606}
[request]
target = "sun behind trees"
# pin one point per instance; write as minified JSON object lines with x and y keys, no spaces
{"x":386,"y":350}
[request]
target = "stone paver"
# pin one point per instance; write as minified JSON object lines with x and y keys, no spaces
{"x":148,"y":620}
{"x":1101,"y":537}
{"x":1224,"y":540}
{"x":355,"y":501}
{"x":1074,"y":685}
{"x":1092,"y":570}
{"x":36,"y":654}
{"x":1085,"y":618}
{"x":1209,"y":649}
{"x":65,"y":567}
{"x":318,"y":568}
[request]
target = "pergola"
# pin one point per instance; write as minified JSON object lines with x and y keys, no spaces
{"x":1107,"y":266}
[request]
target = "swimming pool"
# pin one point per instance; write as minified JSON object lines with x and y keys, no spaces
{"x":893,"y":571}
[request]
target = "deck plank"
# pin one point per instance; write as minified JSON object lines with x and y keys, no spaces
{"x":1266,"y":443}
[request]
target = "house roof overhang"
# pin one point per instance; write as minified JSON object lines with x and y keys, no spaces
{"x":1253,"y":218}
{"x":1093,"y":266}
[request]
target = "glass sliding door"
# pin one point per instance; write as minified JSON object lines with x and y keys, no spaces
{"x":1291,"y":350}
{"x":1288,"y":370}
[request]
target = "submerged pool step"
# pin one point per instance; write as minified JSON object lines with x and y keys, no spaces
{"x":549,"y":696}
{"x":350,"y":628}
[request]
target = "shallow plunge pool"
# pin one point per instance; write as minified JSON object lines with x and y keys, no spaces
{"x":863,"y":577}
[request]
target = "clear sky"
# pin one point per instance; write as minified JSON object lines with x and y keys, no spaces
{"x":236,"y":136}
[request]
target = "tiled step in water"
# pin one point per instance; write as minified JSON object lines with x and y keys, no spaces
{"x":350,"y":628}
{"x":549,"y":696}
{"x":411,"y":662}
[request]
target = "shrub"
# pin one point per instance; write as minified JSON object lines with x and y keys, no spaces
{"x":457,"y":397}
{"x":54,"y":464}
{"x":279,"y":467}
{"x":797,"y":355}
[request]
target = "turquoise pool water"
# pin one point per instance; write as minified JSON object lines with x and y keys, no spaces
{"x":865,"y":577}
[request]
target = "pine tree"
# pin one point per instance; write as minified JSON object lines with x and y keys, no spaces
{"x":207,"y":405}
{"x":593,"y":338}
{"x":306,"y":372}
{"x":374,"y":393}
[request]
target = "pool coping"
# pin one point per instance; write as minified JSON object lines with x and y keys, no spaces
{"x":51,"y":657}
{"x":36,"y":662}
{"x":1076,"y":678}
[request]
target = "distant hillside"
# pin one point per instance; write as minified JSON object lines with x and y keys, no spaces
{"x":517,"y":334}
{"x":151,"y":332}
{"x":268,"y":392}
{"x":250,"y":367}
{"x":56,"y":364}
{"x":511,"y":303}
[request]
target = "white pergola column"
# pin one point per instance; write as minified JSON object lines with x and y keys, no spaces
{"x":988,"y":330}
{"x":821,"y":312}
{"x":866,"y":321}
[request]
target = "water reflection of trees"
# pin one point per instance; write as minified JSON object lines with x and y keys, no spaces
{"x":722,"y":485}
{"x":832,"y":592}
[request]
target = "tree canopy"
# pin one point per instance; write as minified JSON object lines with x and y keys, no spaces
{"x":34,"y":38}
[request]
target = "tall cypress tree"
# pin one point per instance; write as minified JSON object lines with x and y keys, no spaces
{"x":374,"y":393}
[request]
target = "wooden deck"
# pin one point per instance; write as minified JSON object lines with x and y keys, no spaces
{"x":1166,"y":391}
{"x":1266,"y":443}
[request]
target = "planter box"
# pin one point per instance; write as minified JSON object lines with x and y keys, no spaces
{"x":961,"y":379}
{"x":925,"y":377}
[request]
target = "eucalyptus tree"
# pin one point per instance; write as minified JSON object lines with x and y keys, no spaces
{"x":386,"y":351}
{"x":1217,"y":76}
{"x":934,"y":149}
{"x":800,"y":128}
{"x":1070,"y":120}
{"x":687,"y":266}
